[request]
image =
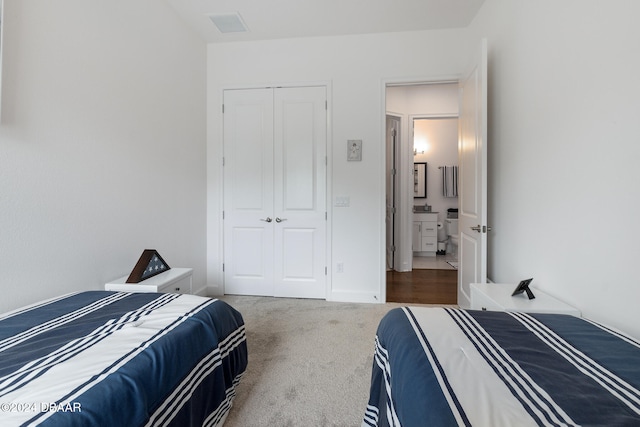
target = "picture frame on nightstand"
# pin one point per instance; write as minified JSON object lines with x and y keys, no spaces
{"x":523,"y":286}
{"x":149,"y":264}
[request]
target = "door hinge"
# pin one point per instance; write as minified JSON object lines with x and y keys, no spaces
{"x":393,"y":248}
{"x":222,"y":108}
{"x":326,"y":105}
{"x":325,"y":270}
{"x":223,"y":161}
{"x":223,"y":266}
{"x":325,"y":215}
{"x":393,"y":210}
{"x":222,"y":214}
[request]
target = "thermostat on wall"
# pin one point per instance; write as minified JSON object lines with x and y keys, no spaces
{"x":354,"y":150}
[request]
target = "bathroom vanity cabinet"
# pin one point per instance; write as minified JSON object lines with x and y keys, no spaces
{"x":425,"y":233}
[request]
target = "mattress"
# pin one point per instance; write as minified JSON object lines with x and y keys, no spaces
{"x":448,"y":367}
{"x":120,"y":359}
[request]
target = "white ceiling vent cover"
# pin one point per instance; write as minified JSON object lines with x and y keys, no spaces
{"x":229,"y":23}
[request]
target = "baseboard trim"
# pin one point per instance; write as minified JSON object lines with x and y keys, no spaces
{"x":210,"y":291}
{"x":360,"y":297}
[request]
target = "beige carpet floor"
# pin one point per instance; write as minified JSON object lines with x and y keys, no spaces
{"x":309,"y":361}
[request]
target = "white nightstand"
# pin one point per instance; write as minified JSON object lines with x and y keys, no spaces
{"x":497,"y":297}
{"x":175,"y":280}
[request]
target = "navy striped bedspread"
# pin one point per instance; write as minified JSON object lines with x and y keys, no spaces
{"x":452,"y":367}
{"x":120,"y":359}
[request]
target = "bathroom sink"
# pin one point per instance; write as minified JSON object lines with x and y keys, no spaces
{"x":421,"y":208}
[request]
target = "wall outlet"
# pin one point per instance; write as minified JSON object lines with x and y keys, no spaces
{"x":340,"y":267}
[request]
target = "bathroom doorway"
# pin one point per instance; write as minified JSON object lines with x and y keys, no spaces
{"x":427,"y":115}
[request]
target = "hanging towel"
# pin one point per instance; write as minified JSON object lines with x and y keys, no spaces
{"x":449,"y":181}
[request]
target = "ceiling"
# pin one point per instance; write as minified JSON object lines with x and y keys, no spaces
{"x":277,"y":19}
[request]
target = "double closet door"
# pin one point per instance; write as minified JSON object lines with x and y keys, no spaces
{"x":275,"y":222}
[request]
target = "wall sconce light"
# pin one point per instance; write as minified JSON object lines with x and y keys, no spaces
{"x":420,"y":146}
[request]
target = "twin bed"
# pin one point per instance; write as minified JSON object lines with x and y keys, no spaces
{"x":104,"y":358}
{"x":448,"y":367}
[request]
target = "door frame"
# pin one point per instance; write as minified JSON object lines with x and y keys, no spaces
{"x":405,"y":173}
{"x":328,"y":178}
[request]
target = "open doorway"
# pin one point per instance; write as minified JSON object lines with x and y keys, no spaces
{"x":421,"y":260}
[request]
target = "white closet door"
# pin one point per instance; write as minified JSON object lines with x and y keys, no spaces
{"x":300,"y":192}
{"x":275,"y":192}
{"x":248,"y":192}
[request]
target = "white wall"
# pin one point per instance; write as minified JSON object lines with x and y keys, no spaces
{"x":357,"y":68}
{"x":564,"y":150}
{"x":102,"y":144}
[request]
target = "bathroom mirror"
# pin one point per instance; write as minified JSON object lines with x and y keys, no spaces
{"x":420,"y":180}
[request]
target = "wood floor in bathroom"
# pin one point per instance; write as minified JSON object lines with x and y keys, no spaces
{"x":423,"y":287}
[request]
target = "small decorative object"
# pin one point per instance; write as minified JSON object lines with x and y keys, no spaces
{"x":354,"y":150}
{"x":523,"y":286}
{"x":149,"y":264}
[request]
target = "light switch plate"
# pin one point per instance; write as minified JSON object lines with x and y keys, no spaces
{"x":342,"y":201}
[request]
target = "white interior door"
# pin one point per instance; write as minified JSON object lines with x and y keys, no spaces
{"x":248,"y":192}
{"x":275,"y":192}
{"x":472,"y":209}
{"x":392,"y":128}
{"x":300,"y":192}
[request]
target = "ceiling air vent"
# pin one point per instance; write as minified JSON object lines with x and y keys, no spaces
{"x":229,"y":23}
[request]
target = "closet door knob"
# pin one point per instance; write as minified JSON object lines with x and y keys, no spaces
{"x":266,"y":220}
{"x":280,"y":219}
{"x":476,"y":228}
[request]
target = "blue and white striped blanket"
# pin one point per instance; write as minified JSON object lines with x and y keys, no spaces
{"x":451,"y":367}
{"x":120,"y":359}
